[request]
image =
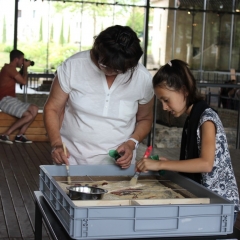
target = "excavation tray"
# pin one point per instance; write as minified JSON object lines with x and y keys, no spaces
{"x":135,"y":218}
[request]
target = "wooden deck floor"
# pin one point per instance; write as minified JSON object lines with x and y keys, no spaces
{"x":19,"y":178}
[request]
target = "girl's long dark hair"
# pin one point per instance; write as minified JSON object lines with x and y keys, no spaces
{"x":177,"y":75}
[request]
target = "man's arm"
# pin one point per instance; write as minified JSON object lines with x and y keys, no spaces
{"x":22,"y":76}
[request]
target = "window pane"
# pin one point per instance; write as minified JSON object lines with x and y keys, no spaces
{"x":6,"y":29}
{"x":217,"y":41}
{"x":236,"y":44}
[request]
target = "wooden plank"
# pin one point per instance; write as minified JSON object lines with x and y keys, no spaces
{"x":83,"y":203}
{"x":9,"y":122}
{"x":3,"y":116}
{"x":3,"y":228}
{"x":43,"y":151}
{"x":26,"y":184}
{"x":6,"y":175}
{"x":171,"y":201}
{"x":35,"y":132}
{"x":28,"y":181}
{"x":31,"y":130}
{"x":5,"y":197}
{"x":31,"y":162}
{"x":97,"y":203}
{"x":18,"y":193}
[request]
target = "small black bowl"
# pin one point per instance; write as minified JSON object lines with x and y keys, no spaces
{"x":85,"y":193}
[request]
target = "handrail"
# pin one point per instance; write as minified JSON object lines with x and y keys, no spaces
{"x":41,"y":75}
{"x":200,"y":84}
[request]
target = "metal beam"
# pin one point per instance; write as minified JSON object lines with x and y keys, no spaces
{"x":145,"y":41}
{"x":15,"y":25}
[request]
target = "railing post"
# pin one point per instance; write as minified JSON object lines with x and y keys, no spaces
{"x":209,"y":97}
{"x":238,"y":125}
{"x":219,"y":98}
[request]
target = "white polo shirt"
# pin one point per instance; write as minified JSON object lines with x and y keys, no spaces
{"x":98,"y":119}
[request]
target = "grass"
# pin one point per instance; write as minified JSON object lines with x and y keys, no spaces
{"x":4,"y":58}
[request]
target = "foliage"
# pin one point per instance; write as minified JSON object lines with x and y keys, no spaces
{"x":4,"y":58}
{"x":91,"y":8}
{"x":6,"y":48}
{"x":69,"y":35}
{"x":61,"y":39}
{"x":4,"y":33}
{"x":51,"y":33}
{"x":48,"y":55}
{"x":136,"y":21}
{"x":38,"y":53}
{"x":41,"y":31}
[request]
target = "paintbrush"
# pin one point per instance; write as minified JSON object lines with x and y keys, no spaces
{"x":67,"y":166}
{"x":136,"y":175}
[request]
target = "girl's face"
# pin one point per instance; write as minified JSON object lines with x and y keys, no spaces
{"x":173,"y":101}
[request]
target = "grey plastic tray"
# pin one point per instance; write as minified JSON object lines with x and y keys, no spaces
{"x":119,"y":222}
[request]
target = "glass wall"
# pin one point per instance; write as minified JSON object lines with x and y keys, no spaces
{"x":204,"y":33}
{"x":235,"y":57}
{"x":50,"y":31}
{"x":217,"y":37}
{"x":6,"y":29}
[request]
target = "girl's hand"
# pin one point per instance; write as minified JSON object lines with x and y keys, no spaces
{"x":147,"y":164}
{"x":163,"y":159}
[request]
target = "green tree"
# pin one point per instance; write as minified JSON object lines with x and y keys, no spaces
{"x":51,"y":33}
{"x":69,"y":34}
{"x":136,"y":20}
{"x":4,"y":33}
{"x":40,"y":31}
{"x":61,"y":39}
{"x":94,"y":9}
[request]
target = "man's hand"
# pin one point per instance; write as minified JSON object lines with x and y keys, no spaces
{"x":26,"y":63}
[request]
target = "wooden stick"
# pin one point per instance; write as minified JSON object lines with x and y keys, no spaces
{"x":67,"y":167}
{"x":64,"y":149}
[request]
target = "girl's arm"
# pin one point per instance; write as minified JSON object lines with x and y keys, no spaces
{"x":197,"y":165}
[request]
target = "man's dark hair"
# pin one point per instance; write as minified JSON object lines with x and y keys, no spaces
{"x":118,"y":47}
{"x":15,"y":54}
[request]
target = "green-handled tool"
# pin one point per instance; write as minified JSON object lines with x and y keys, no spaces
{"x":156,"y":157}
{"x":114,"y":154}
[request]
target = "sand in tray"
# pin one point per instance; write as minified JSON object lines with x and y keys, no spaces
{"x":123,"y":190}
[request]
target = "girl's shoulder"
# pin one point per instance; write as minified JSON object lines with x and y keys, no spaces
{"x":210,"y":115}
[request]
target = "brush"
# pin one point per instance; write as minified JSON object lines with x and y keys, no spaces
{"x":136,"y":175}
{"x":67,"y":166}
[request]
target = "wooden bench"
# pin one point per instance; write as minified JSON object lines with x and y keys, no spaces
{"x":36,"y":131}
